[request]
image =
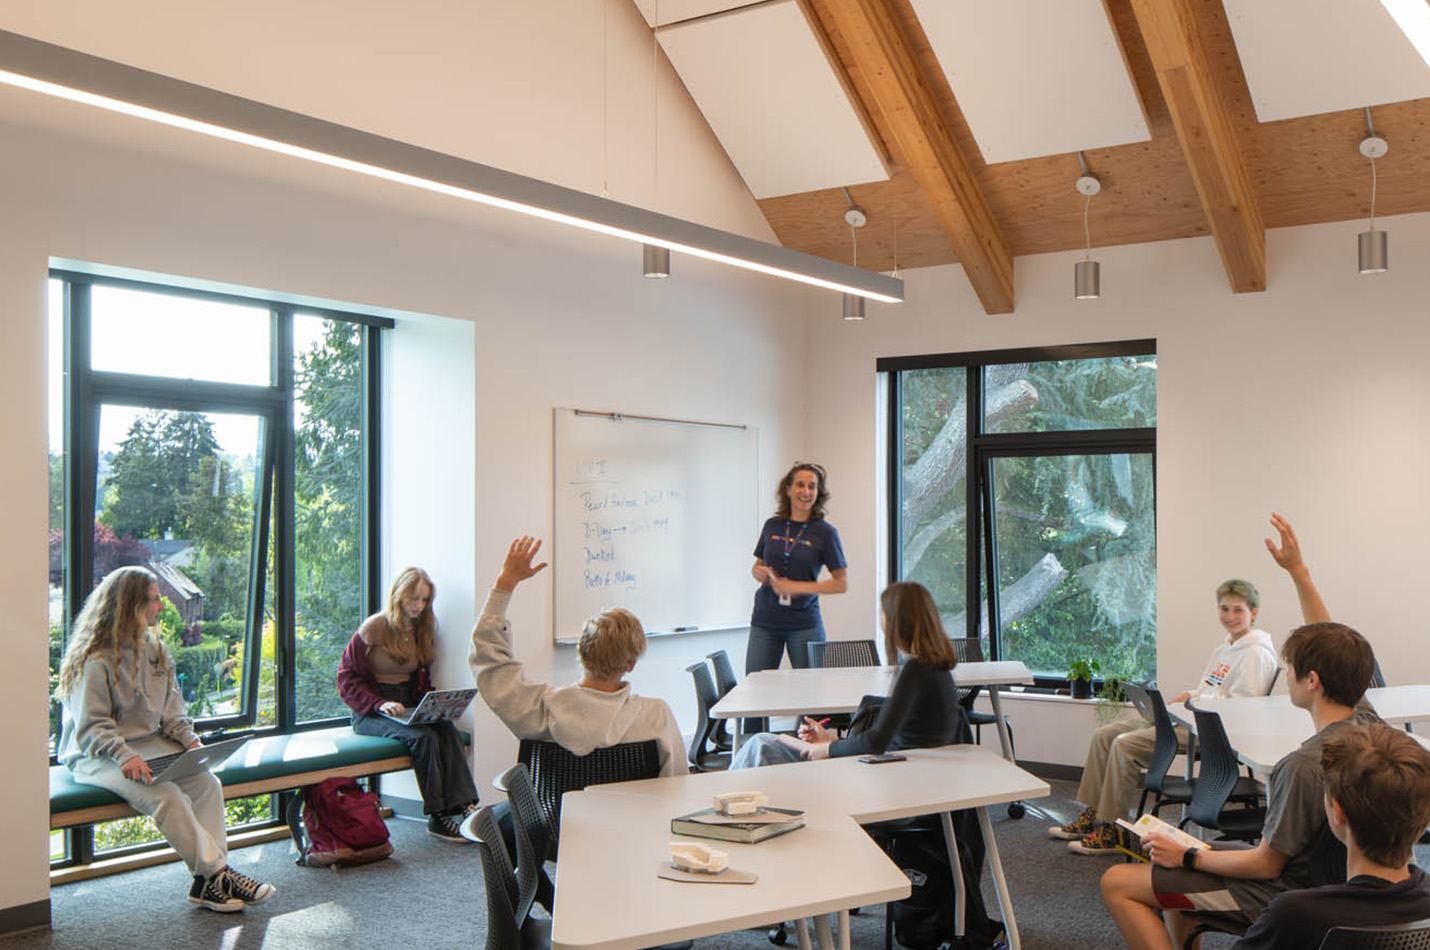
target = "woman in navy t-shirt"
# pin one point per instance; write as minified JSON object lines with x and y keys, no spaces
{"x":794,"y":548}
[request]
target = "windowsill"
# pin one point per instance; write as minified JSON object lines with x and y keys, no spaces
{"x":1025,"y":695}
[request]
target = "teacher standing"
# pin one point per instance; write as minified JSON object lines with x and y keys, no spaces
{"x":794,"y":548}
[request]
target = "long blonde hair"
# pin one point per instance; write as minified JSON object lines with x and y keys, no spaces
{"x":114,"y":616}
{"x":424,"y":628}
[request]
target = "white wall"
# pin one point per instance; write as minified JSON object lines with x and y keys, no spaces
{"x":534,"y":317}
{"x":1309,"y":399}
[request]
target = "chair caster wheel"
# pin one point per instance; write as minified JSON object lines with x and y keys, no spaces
{"x":779,"y":936}
{"x":1016,"y":810}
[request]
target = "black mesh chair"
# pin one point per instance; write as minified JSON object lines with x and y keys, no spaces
{"x":1223,"y":799}
{"x":704,"y":753}
{"x":556,"y":771}
{"x":724,"y":682}
{"x":831,"y":653}
{"x":1411,"y":936}
{"x":533,"y":840}
{"x":841,"y":653}
{"x":504,"y":931}
{"x":1165,"y":791}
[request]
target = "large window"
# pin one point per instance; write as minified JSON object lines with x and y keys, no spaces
{"x":1023,"y":496}
{"x":229,"y":445}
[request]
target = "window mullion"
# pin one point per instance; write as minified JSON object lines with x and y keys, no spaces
{"x":284,"y":551}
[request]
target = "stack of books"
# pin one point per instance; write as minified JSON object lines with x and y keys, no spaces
{"x":746,"y":829}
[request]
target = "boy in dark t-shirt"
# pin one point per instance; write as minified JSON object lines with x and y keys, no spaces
{"x":1328,"y":667}
{"x":1377,"y":803}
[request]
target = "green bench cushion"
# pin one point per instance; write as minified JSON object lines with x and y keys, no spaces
{"x":263,"y":758}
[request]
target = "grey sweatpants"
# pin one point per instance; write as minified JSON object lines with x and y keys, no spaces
{"x":189,"y":812}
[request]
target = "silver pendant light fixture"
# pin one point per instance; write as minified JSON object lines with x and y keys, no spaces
{"x":1373,"y":244}
{"x":856,"y":219}
{"x":1087,"y":273}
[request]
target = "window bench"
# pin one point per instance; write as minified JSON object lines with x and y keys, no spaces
{"x":267,"y":764}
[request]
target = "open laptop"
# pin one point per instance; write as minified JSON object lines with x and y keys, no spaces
{"x":438,"y":705}
{"x":1137,"y":695}
{"x":177,"y":765}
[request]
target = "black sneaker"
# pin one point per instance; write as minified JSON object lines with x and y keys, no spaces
{"x":211,"y":893}
{"x":246,"y":888}
{"x":446,"y":826}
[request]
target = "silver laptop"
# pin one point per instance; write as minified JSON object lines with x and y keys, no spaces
{"x":438,"y":705}
{"x":1137,"y":695}
{"x":171,"y":768}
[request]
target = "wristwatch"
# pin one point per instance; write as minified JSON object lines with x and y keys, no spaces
{"x":1189,"y":859}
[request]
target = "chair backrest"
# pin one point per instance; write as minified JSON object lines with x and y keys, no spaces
{"x":533,"y":835}
{"x":724,"y":672}
{"x":1377,"y":678}
{"x":1276,"y":675}
{"x":1217,"y":777}
{"x":556,"y":771}
{"x":705,"y":697}
{"x":832,"y":653}
{"x":967,"y":650}
{"x":1412,"y":936}
{"x":503,"y":932}
{"x":1164,"y":747}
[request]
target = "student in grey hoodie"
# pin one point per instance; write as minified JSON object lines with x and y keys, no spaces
{"x":600,"y":710}
{"x":122,"y":705}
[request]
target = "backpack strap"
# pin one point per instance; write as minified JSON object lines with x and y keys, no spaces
{"x":294,"y":817}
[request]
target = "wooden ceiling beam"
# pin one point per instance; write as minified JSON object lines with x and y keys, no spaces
{"x":1204,"y":126}
{"x":911,"y":111}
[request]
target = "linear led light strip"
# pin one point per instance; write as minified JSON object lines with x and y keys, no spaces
{"x":1413,"y":18}
{"x":883,"y":288}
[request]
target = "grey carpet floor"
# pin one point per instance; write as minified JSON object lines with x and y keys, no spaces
{"x":428,"y":894}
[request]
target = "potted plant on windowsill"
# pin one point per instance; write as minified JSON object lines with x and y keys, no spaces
{"x":1080,"y":674}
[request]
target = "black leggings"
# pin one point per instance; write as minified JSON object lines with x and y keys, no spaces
{"x":438,"y":759}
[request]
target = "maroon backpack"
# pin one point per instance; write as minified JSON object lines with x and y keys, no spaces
{"x":343,"y":825}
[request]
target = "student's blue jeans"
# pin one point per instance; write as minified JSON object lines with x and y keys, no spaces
{"x":763,"y":749}
{"x":767,"y":647}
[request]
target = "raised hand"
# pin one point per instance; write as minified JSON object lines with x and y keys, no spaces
{"x":518,"y":564}
{"x":1288,"y":555}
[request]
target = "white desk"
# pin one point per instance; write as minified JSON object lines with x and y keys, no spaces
{"x":931,"y":781}
{"x":1265,"y":729}
{"x":789,"y":692}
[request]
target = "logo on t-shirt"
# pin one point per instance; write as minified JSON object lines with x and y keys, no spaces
{"x":788,"y":539}
{"x":1217,"y":676}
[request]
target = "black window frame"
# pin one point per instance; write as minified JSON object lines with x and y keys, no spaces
{"x":981,"y":451}
{"x":86,"y":390}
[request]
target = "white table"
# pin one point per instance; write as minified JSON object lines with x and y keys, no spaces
{"x":789,"y":692}
{"x":1265,"y":729}
{"x":931,"y":781}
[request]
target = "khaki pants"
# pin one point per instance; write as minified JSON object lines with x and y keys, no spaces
{"x":1112,"y":775}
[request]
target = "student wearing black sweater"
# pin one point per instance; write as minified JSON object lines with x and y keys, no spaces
{"x":922,"y":709}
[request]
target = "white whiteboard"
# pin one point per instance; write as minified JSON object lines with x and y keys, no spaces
{"x":656,"y":517}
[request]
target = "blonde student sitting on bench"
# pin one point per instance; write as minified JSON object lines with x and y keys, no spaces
{"x":1243,"y":664}
{"x":122,"y":704}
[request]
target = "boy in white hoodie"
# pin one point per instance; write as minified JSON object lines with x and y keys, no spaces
{"x":598,"y":711}
{"x":1243,"y":664}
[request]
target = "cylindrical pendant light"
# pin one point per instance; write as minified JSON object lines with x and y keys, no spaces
{"x":1374,"y":251}
{"x":1087,"y":273}
{"x":1374,"y":244}
{"x":1087,"y":280}
{"x":655,"y":261}
{"x":853,"y":307}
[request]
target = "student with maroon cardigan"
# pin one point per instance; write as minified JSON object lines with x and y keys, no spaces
{"x":386,"y":668}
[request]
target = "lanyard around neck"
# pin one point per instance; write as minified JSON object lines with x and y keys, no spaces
{"x":790,"y":542}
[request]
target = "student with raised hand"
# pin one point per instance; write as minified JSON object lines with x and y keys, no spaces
{"x":598,"y":711}
{"x":922,"y":709}
{"x":122,"y":704}
{"x":387,"y":668}
{"x":1377,"y":803}
{"x":1242,"y":664}
{"x":1328,"y":667}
